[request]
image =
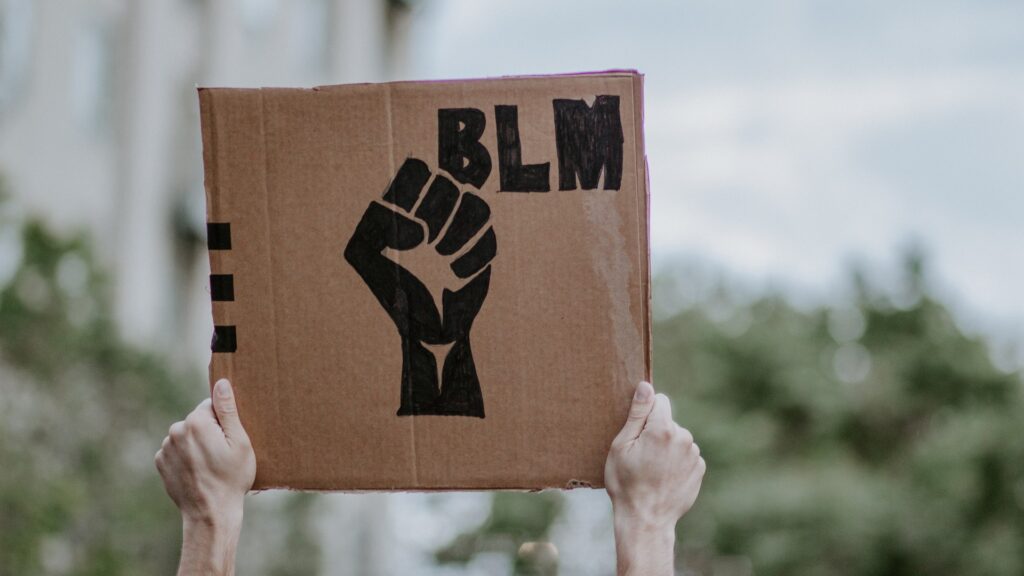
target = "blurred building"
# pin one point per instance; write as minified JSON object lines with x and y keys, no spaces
{"x":99,"y":132}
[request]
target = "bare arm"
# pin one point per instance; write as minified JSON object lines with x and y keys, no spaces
{"x":653,"y":474}
{"x":207,"y":465}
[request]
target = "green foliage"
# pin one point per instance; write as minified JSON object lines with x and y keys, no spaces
{"x":80,"y":418}
{"x":868,"y":439}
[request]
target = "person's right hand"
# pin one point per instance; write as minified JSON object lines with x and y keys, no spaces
{"x":653,"y":474}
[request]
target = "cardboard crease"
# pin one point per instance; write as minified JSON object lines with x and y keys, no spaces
{"x":270,"y":277}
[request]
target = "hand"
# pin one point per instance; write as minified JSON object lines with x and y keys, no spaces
{"x":653,"y":474}
{"x":410,"y":220}
{"x":207,"y":465}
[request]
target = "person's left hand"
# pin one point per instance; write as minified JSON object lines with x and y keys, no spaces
{"x":207,"y":462}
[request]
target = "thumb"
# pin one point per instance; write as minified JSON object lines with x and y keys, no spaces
{"x":226,"y":410}
{"x":643,"y":403}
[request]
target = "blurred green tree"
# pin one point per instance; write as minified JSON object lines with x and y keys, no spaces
{"x":81,"y":416}
{"x":869,"y":438}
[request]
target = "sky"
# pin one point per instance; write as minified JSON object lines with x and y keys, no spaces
{"x":789,"y":140}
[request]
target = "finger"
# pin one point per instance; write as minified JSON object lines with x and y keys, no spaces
{"x":177,"y":432}
{"x":477,"y":257}
{"x":405,"y":188}
{"x":694,"y":478}
{"x":203,"y":420}
{"x":202,"y":413}
{"x":461,"y":307}
{"x":470,"y":218}
{"x":226,"y":410}
{"x":643,"y":403}
{"x":696,"y":474}
{"x":661,"y":414}
{"x":382,"y":228}
{"x":684,"y":436}
{"x":437,"y":205}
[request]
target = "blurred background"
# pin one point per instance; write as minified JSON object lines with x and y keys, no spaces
{"x":837,"y":205}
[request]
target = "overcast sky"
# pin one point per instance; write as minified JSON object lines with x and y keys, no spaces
{"x":787,"y":139}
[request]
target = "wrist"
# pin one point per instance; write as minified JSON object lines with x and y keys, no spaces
{"x":209,"y":543}
{"x":632,"y":531}
{"x":629,"y":520}
{"x":211,"y":530}
{"x":223,"y":519}
{"x":644,"y":545}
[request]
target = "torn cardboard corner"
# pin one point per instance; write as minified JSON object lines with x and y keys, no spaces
{"x":436,"y":285}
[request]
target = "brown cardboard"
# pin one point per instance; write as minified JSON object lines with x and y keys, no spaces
{"x":298,"y":197}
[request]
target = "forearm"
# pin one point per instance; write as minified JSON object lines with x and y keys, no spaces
{"x":642,"y":549}
{"x":208,"y":548}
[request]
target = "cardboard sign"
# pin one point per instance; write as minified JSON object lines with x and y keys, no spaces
{"x":430,"y":285}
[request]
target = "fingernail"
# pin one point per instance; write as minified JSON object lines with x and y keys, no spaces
{"x":644,"y":392}
{"x":222,"y":388}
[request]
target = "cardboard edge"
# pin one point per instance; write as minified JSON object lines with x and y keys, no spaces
{"x":209,"y":141}
{"x":426,"y":489}
{"x":638,"y":103}
{"x":222,"y":365}
{"x":209,"y":145}
{"x":609,"y":73}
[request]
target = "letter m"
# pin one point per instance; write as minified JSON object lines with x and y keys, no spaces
{"x":589,"y":140}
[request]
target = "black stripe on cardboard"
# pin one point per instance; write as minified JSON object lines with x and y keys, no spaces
{"x":218,"y":235}
{"x":222,"y":287}
{"x":224,"y":339}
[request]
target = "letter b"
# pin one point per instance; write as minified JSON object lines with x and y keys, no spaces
{"x":459,"y":151}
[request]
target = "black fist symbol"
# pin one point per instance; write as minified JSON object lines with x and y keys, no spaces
{"x":442,"y":220}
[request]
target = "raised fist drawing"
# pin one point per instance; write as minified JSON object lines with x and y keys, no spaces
{"x":448,"y":230}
